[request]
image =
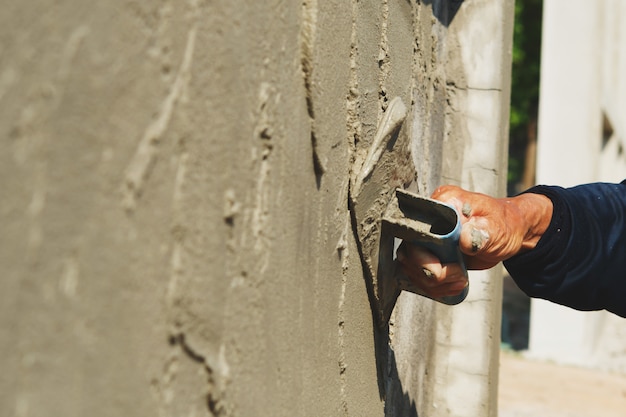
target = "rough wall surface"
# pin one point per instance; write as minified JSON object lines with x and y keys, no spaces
{"x":460,"y":142}
{"x":176,"y":238}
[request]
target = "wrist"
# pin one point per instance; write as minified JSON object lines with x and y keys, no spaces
{"x":535,"y":211}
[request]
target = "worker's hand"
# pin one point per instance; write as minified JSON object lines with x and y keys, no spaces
{"x":492,"y":230}
{"x":426,"y":272}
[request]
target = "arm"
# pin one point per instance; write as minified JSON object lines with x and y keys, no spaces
{"x":580,"y":261}
{"x":565,"y":245}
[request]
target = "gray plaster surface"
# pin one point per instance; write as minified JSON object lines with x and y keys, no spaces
{"x":176,"y":238}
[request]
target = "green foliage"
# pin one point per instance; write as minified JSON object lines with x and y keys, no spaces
{"x":526,"y":62}
{"x":524,"y":79}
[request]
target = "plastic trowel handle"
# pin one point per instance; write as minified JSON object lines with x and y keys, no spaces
{"x":430,"y":224}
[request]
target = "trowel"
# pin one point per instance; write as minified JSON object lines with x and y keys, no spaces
{"x":383,"y":212}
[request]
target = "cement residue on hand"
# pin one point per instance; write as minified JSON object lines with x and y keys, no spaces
{"x":479,"y":237}
{"x":466,"y":210}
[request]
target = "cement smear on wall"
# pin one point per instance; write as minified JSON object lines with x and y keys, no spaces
{"x":176,"y":234}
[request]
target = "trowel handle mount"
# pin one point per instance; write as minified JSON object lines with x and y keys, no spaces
{"x":430,"y":224}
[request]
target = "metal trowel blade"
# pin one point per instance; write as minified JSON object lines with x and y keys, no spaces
{"x":423,"y":222}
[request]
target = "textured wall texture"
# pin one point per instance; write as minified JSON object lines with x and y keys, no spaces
{"x":174,"y":178}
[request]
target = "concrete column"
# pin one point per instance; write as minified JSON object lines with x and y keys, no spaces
{"x":461,"y":353}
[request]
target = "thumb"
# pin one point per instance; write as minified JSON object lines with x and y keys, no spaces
{"x":473,"y":239}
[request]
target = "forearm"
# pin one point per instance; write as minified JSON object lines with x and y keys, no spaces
{"x":580,"y":259}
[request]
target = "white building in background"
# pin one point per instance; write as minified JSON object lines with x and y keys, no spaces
{"x":581,"y":139}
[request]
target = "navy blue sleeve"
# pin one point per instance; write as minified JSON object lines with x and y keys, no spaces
{"x":580,"y":261}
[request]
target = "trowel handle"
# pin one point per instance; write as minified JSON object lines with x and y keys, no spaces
{"x":435,"y":226}
{"x":446,"y":248}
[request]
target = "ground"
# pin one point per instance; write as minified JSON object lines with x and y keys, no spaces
{"x":530,"y":388}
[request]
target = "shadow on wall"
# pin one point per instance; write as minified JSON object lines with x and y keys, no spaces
{"x":398,"y":402}
{"x":444,"y":10}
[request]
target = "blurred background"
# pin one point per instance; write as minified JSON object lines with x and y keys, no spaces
{"x":567,"y":127}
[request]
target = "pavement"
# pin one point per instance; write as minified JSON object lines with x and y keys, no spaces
{"x":531,"y":388}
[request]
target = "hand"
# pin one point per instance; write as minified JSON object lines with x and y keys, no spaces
{"x":492,"y":230}
{"x":426,"y":271}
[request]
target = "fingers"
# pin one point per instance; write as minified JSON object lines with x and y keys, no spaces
{"x":483,"y":225}
{"x":474,"y":238}
{"x":446,"y":290}
{"x":457,"y":197}
{"x":417,"y":260}
{"x":426,"y":272}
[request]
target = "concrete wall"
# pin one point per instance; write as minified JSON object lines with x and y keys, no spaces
{"x":176,"y":238}
{"x":582,"y":137}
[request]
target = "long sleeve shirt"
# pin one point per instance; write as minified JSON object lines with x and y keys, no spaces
{"x":580,"y":260}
